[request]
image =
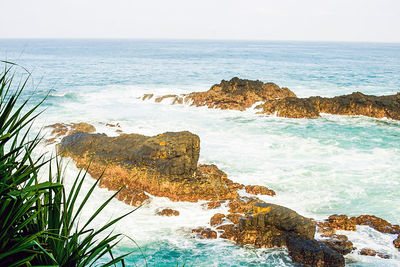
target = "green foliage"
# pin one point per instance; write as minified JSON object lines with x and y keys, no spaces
{"x":39,"y":220}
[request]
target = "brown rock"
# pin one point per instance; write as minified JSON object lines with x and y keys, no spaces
{"x":164,"y":165}
{"x":177,"y":99}
{"x":131,"y":196}
{"x":168,"y":212}
{"x":216,"y":219}
{"x":396,"y":242}
{"x":354,"y":104}
{"x":205,"y":233}
{"x":259,"y":190}
{"x":378,"y":224}
{"x":147,"y":96}
{"x":113,"y":125}
{"x":237,"y":94}
{"x":368,"y":252}
{"x":342,"y":222}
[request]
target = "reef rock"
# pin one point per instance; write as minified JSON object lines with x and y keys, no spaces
{"x":339,"y":222}
{"x":164,"y":165}
{"x":242,"y":204}
{"x":353,"y":104}
{"x":168,"y":212}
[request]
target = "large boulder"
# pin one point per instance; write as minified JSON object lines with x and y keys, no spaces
{"x":162,"y":165}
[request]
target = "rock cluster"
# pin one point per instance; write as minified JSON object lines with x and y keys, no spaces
{"x":239,"y":94}
{"x":63,"y":129}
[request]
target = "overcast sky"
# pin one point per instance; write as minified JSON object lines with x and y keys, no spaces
{"x":316,"y":20}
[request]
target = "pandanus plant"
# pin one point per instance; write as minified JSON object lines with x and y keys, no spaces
{"x":39,"y":217}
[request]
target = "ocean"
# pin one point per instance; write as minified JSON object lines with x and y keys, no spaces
{"x":318,"y":167}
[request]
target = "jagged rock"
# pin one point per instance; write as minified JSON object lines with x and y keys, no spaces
{"x":353,"y":104}
{"x":340,"y":222}
{"x":205,"y":233}
{"x":113,"y":125}
{"x":339,"y":243}
{"x":177,"y":99}
{"x":259,"y":190}
{"x":164,"y":165}
{"x":216,"y":219}
{"x":168,"y":212}
{"x":378,"y":224}
{"x":371,"y":252}
{"x":313,"y":253}
{"x":147,"y":96}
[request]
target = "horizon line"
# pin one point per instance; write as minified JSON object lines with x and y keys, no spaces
{"x":196,"y":39}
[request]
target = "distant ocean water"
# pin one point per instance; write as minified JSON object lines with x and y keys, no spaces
{"x":333,"y":164}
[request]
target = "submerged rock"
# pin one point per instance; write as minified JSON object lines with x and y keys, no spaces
{"x":164,"y":165}
{"x":396,"y":242}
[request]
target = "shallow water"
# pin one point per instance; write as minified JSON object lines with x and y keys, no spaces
{"x":333,"y":164}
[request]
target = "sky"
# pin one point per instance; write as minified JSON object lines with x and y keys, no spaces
{"x":309,"y":20}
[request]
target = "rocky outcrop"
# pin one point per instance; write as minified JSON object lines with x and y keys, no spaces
{"x":371,"y":252}
{"x":236,"y":94}
{"x":339,"y":243}
{"x":164,"y":165}
{"x":353,"y":104}
{"x":168,"y":212}
{"x":259,"y":190}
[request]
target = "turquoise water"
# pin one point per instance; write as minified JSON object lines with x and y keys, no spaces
{"x":333,"y":164}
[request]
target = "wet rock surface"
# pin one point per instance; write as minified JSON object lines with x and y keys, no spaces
{"x":216,"y":219}
{"x":378,"y":224}
{"x":205,"y":233}
{"x":339,"y":243}
{"x":63,"y":129}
